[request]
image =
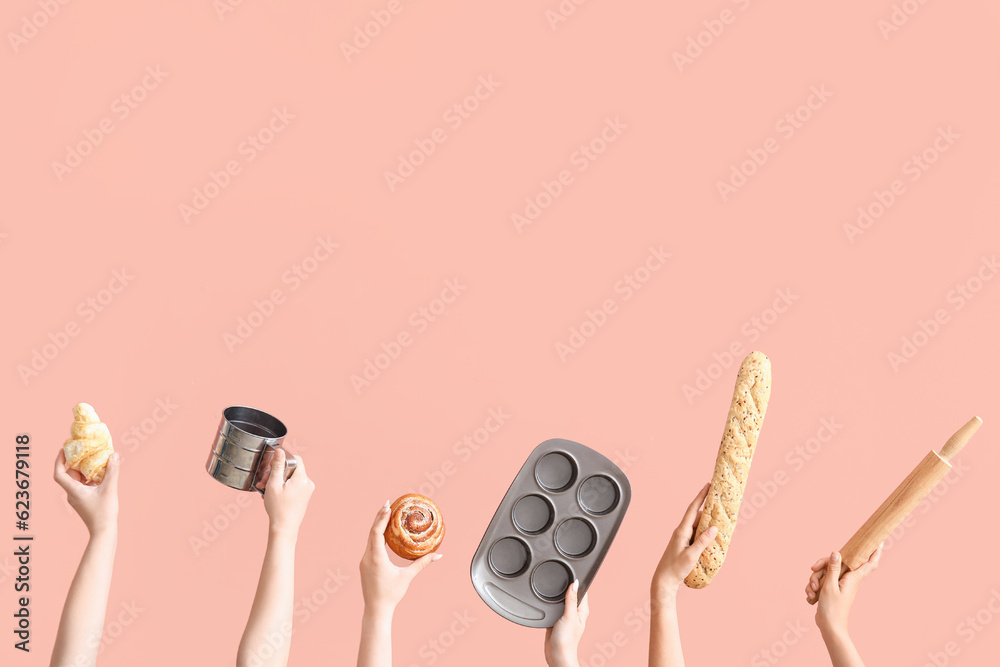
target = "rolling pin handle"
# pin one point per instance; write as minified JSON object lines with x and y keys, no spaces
{"x":958,"y":441}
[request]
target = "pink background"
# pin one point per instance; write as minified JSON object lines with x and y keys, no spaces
{"x":162,"y":337}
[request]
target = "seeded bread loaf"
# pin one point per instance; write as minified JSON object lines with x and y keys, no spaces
{"x":732,"y":466}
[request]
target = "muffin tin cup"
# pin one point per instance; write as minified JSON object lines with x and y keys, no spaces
{"x":554,"y":525}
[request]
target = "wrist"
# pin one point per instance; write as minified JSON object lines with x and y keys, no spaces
{"x":378,"y":614}
{"x":833,"y":635}
{"x":278,"y":532}
{"x":562,"y":659}
{"x":664,"y":592}
{"x":107,"y":531}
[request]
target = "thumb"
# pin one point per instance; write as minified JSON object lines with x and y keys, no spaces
{"x":832,"y":580}
{"x":59,"y":473}
{"x":110,"y":481}
{"x":277,"y":478}
{"x":421,"y":563}
{"x":702,"y":542}
{"x":570,"y":610}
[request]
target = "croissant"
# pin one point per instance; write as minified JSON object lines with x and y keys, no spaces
{"x":89,"y":448}
{"x":416,"y":527}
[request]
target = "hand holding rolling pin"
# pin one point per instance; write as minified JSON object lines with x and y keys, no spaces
{"x":835,"y":603}
{"x":862,"y":548}
{"x":836,"y":597}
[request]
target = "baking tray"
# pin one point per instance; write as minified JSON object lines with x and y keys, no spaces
{"x":555,"y":524}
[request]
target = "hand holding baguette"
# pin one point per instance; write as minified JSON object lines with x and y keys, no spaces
{"x":732,"y":466}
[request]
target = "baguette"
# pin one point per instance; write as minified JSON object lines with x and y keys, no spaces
{"x":732,"y":466}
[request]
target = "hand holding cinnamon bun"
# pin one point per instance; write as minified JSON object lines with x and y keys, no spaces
{"x":416,"y":527}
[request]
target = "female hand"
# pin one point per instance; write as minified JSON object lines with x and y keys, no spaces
{"x":97,"y":504}
{"x":563,"y":638}
{"x":383,"y":583}
{"x":836,"y":595}
{"x":683,"y":550}
{"x":286,"y":500}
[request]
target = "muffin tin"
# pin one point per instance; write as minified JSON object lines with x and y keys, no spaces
{"x":555,"y":525}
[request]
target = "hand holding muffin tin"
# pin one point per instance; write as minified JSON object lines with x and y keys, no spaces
{"x":555,"y":525}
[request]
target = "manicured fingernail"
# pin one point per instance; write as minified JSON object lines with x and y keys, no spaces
{"x":576,"y":585}
{"x":835,"y":556}
{"x":712,"y":531}
{"x":116,"y":457}
{"x":436,"y":557}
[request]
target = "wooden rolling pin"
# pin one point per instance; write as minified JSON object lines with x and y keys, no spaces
{"x":904,"y":499}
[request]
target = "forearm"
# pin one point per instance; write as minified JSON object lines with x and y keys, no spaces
{"x":841,"y":649}
{"x":82,"y":621}
{"x":376,"y":638}
{"x":562,"y":660}
{"x":664,"y":632}
{"x":268,"y":635}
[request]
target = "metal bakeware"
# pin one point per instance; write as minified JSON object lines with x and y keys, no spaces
{"x":555,"y":524}
{"x":244,"y":444}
